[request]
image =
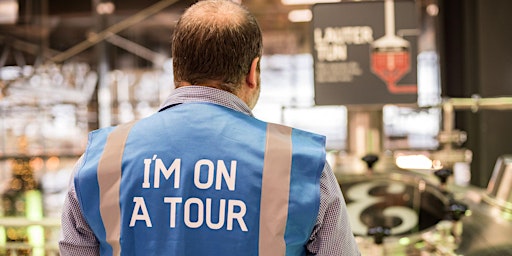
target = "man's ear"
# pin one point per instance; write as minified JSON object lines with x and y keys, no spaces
{"x":252,"y":77}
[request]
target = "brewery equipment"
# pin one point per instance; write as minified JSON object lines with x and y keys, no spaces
{"x":414,"y":211}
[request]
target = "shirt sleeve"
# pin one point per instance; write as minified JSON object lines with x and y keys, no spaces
{"x":77,"y":238}
{"x":332,"y":234}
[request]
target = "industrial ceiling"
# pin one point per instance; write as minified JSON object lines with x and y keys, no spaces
{"x":60,"y":31}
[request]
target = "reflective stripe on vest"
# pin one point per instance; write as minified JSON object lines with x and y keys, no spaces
{"x":274,"y":192}
{"x":109,"y":179}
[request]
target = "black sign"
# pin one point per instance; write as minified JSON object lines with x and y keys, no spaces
{"x":365,"y":52}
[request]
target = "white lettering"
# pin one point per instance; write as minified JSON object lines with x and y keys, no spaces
{"x":337,"y":72}
{"x":200,"y":212}
{"x":195,"y":211}
{"x":222,"y":214}
{"x":229,"y":177}
{"x":147,"y":165}
{"x":174,"y":168}
{"x":317,"y":36}
{"x":344,"y":35}
{"x":140,"y":205}
{"x":331,"y":43}
{"x":331,"y":52}
{"x":173,"y":201}
{"x":197,"y":174}
{"x":239,"y":216}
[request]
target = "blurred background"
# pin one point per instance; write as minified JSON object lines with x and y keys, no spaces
{"x":69,"y":67}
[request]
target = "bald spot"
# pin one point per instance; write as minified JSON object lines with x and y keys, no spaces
{"x":214,"y":13}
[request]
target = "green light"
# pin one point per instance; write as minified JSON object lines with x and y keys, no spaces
{"x":34,"y":205}
{"x":34,"y":211}
{"x":3,"y":237}
{"x":506,"y":215}
{"x":404,"y":241}
{"x":36,"y":239}
{"x":420,"y":245}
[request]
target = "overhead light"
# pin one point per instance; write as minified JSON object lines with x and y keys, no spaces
{"x":303,"y":15}
{"x":432,"y":9}
{"x":307,"y":2}
{"x":104,"y":8}
{"x":8,"y":11}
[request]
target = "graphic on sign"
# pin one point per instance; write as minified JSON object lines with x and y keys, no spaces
{"x":365,"y":54}
{"x":391,"y":54}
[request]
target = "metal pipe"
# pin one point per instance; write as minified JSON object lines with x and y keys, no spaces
{"x":27,"y":47}
{"x":103,"y":67}
{"x":476,"y":103}
{"x":136,"y":49}
{"x":114,"y":29}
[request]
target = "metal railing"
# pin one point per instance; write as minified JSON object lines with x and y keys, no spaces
{"x":43,"y":235}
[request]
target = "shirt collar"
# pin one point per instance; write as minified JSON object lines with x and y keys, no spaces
{"x":194,"y":93}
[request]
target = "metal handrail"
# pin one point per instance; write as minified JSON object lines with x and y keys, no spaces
{"x":50,"y":247}
{"x":24,"y":222}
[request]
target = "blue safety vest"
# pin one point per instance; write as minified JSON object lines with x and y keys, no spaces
{"x":201,"y":179}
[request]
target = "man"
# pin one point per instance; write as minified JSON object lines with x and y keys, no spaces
{"x":203,"y":176}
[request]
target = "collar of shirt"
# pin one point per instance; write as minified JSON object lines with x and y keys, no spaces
{"x":194,"y":93}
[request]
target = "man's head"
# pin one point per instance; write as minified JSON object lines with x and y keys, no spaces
{"x":217,"y":43}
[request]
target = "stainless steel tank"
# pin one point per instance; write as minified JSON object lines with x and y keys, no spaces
{"x":401,"y":212}
{"x":488,"y":231}
{"x":390,"y":211}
